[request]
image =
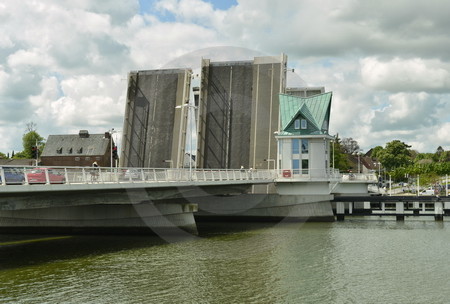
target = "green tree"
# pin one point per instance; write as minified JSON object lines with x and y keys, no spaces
{"x":31,"y":139}
{"x":21,"y":155}
{"x":376,"y":151}
{"x":340,"y":160}
{"x":3,"y":155}
{"x":396,"y":154}
{"x":439,"y":156}
{"x":349,"y":145}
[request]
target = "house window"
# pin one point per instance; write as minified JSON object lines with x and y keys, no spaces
{"x":305,"y":148}
{"x":305,"y":166}
{"x":77,"y":159}
{"x":296,"y":166}
{"x":303,"y":124}
{"x":295,"y":146}
{"x":297,"y":124}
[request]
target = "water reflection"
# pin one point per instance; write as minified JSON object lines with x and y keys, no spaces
{"x":356,"y":261}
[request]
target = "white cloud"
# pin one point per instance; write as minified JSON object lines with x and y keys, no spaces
{"x":387,"y":63}
{"x":406,"y":74}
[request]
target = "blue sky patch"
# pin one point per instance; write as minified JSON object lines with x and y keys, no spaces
{"x":148,"y":7}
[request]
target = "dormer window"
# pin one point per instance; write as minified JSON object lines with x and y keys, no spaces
{"x":59,"y":151}
{"x":304,"y":124}
{"x":297,"y":124}
{"x":69,"y":151}
{"x":79,"y":151}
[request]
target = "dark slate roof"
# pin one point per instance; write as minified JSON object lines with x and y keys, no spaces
{"x":74,"y":145}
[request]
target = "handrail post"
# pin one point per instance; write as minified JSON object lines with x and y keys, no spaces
{"x":84,"y":175}
{"x":2,"y":175}
{"x":47,"y":177}
{"x":100,"y":175}
{"x":25,"y":176}
{"x":66,"y":176}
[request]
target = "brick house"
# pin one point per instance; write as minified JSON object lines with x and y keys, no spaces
{"x":80,"y":150}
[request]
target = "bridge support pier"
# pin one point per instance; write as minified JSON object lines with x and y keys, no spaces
{"x":400,"y":211}
{"x":416,"y":208}
{"x":340,"y":211}
{"x":438,"y":211}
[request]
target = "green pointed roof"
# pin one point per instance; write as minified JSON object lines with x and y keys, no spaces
{"x":315,"y":109}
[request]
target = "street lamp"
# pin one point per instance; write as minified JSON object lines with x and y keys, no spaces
{"x":111,"y":132}
{"x":358,"y":153}
{"x":189,"y":106}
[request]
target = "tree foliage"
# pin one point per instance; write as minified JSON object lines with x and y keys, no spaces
{"x":376,"y":151}
{"x":396,"y":154}
{"x":349,"y":145}
{"x":21,"y":155}
{"x":340,"y":160}
{"x":30,"y":139}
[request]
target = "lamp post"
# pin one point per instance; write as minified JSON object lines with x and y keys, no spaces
{"x":390,"y":185}
{"x":111,"y":132}
{"x":189,"y":106}
{"x":334,"y":142}
{"x":379,"y":175}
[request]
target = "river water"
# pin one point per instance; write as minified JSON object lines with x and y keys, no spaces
{"x":356,"y":261}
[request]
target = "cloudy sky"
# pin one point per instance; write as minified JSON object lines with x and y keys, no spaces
{"x":64,"y":64}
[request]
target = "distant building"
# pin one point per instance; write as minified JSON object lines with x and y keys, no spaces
{"x":82,"y":149}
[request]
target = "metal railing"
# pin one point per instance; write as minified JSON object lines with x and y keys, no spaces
{"x":359,"y":177}
{"x":308,"y":174}
{"x":93,"y":175}
{"x":332,"y":175}
{"x":86,"y":175}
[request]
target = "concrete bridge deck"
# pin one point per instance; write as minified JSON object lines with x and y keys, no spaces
{"x":119,"y":198}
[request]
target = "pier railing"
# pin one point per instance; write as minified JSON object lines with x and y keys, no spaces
{"x":86,"y":175}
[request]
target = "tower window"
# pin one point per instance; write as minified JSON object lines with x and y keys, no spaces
{"x":295,"y":146}
{"x":303,"y":124}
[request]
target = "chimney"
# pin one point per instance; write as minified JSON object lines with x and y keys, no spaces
{"x":83,"y":134}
